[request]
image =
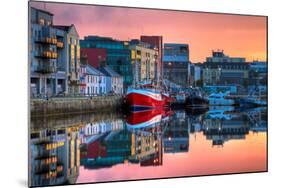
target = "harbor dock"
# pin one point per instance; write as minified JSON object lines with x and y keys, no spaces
{"x":74,"y":105}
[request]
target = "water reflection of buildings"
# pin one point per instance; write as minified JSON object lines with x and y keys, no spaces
{"x":105,"y":144}
{"x":233,"y":125}
{"x":121,"y":147}
{"x":146,"y":147}
{"x":93,"y":130}
{"x":108,"y":144}
{"x":56,"y":153}
{"x":176,"y":135}
{"x":55,"y":156}
{"x":145,"y":142}
{"x":220,"y":131}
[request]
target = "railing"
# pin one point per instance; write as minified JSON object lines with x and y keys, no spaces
{"x":72,"y":96}
{"x":59,"y":44}
{"x":45,"y":68}
{"x":47,"y":54}
{"x":47,"y":40}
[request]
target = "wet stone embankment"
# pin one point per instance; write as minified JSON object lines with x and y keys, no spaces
{"x":59,"y":106}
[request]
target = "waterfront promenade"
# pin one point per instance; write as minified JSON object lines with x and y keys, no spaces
{"x":74,"y":105}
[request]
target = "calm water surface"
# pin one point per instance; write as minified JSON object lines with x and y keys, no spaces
{"x":154,"y":144}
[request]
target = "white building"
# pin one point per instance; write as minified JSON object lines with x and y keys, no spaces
{"x":102,"y":127}
{"x":95,"y":81}
{"x":114,"y":81}
{"x":93,"y":131}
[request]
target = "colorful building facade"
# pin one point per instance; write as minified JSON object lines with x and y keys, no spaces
{"x":118,"y":55}
{"x":144,"y":60}
{"x":54,"y":56}
{"x":176,"y":63}
{"x":225,"y":70}
{"x":114,"y":81}
{"x":95,"y":81}
{"x":157,"y":42}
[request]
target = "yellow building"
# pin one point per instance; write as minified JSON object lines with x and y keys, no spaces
{"x":144,"y":60}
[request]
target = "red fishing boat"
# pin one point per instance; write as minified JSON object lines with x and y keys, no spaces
{"x":146,"y":98}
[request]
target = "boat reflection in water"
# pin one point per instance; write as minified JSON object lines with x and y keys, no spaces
{"x":148,"y":144}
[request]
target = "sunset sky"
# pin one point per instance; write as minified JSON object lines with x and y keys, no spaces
{"x":243,"y":36}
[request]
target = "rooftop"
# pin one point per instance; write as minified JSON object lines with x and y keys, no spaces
{"x":92,"y":71}
{"x":109,"y":72}
{"x":43,"y":11}
{"x":63,"y":27}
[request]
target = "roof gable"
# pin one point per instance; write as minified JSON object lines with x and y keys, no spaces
{"x":70,"y":29}
{"x":109,"y":72}
{"x":92,"y":71}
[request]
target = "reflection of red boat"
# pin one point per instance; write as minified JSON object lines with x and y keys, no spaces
{"x":143,"y":99}
{"x":148,"y":118}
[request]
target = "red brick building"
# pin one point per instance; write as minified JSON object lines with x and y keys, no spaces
{"x":95,"y":56}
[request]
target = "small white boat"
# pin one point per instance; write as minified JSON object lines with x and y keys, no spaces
{"x":220,"y":112}
{"x":218,"y":99}
{"x":219,"y":115}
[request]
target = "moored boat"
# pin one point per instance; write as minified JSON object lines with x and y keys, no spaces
{"x":218,"y":99}
{"x":220,"y":112}
{"x":145,"y":98}
{"x":196,"y":101}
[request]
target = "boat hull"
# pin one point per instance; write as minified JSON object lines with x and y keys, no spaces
{"x":139,"y":100}
{"x":196,"y":102}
